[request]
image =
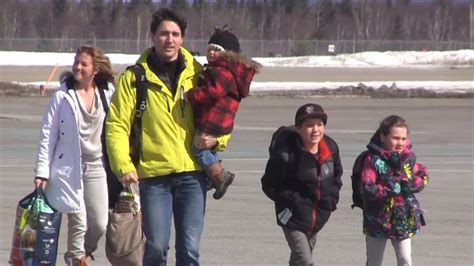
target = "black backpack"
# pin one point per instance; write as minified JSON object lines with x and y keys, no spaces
{"x":280,"y":139}
{"x":357,"y":169}
{"x":114,"y":187}
{"x":280,"y":143}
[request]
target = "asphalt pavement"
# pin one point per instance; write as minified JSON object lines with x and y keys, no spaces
{"x":240,"y":229}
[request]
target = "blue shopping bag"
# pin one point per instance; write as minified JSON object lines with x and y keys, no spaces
{"x":36,"y":231}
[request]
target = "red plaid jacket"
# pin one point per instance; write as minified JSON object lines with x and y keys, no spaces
{"x":224,"y":82}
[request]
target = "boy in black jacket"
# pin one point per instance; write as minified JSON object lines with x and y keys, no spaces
{"x":303,"y":178}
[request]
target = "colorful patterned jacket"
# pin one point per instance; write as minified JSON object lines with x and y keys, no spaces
{"x":388,"y":183}
{"x":216,"y":99}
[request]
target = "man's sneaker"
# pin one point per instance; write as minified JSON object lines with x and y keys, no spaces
{"x":222,"y":187}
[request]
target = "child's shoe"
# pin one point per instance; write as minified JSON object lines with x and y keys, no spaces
{"x":209,"y":184}
{"x":221,"y":187}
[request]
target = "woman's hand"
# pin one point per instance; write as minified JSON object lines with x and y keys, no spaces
{"x":40,"y":182}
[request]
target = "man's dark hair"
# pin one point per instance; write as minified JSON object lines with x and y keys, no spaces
{"x":167,"y":14}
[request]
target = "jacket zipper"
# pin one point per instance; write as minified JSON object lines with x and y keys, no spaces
{"x":313,"y":219}
{"x":182,"y":105}
{"x":314,"y":215}
{"x":182,"y":101}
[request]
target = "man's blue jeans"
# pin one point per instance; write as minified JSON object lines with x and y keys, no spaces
{"x":182,"y":196}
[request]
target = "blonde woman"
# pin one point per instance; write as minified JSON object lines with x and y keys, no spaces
{"x":70,"y":160}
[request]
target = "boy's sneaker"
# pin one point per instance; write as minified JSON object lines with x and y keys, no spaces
{"x":221,"y":188}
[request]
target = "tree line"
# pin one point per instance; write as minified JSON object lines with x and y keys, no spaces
{"x":437,"y":20}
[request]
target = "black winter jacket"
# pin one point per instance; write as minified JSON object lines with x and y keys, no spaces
{"x":307,"y":184}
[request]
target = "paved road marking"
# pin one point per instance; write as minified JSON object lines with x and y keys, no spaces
{"x":347,"y":131}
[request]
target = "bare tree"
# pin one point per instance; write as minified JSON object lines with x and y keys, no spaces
{"x":441,"y":20}
{"x":361,"y":13}
{"x":324,"y":16}
{"x":13,"y":20}
{"x":438,"y":21}
{"x":383,"y":19}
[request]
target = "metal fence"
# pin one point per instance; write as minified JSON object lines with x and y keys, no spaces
{"x":254,"y":48}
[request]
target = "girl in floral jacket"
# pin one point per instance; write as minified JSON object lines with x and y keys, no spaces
{"x":390,"y":178}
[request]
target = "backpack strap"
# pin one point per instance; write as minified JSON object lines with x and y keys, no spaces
{"x":357,"y":169}
{"x":141,"y":85}
{"x":102,"y":85}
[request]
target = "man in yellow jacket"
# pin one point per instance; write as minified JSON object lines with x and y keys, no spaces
{"x":170,"y":180}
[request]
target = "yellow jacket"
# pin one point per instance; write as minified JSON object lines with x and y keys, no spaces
{"x":167,"y":123}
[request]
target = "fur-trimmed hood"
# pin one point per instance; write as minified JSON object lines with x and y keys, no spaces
{"x":240,"y":67}
{"x":236,"y":57}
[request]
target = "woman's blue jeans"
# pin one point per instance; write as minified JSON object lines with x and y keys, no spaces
{"x":180,"y":195}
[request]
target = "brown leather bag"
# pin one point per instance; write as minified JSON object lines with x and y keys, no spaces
{"x":124,"y":238}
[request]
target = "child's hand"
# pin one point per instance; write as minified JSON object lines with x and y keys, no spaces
{"x":420,"y":170}
{"x":205,"y":141}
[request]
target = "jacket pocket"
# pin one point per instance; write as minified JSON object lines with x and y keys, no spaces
{"x":302,"y":209}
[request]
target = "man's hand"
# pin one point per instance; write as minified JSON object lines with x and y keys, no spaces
{"x":129,"y":178}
